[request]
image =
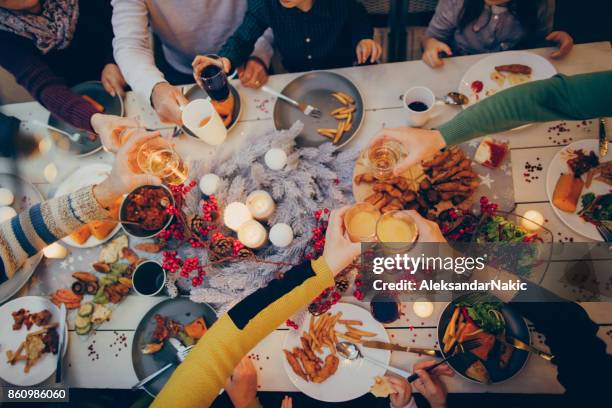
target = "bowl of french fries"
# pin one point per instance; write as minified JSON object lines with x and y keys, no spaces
{"x":336,"y":96}
{"x":318,"y":370}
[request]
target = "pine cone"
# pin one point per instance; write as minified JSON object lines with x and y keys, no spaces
{"x":221,"y":248}
{"x":197,"y":223}
{"x":342,"y":285}
{"x":244,"y":253}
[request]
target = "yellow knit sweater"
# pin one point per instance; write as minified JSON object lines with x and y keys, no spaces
{"x":197,"y":381}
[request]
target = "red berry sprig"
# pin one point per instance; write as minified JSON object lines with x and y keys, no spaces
{"x":210,"y":208}
{"x":318,"y":233}
{"x":290,"y":323}
{"x":486,"y":207}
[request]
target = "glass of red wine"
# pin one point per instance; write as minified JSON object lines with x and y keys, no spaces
{"x":385,"y":308}
{"x":214,"y":80}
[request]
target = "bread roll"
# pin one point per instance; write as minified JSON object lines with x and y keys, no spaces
{"x":567,"y":192}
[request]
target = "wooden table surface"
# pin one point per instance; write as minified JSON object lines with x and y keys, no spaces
{"x":380,"y":86}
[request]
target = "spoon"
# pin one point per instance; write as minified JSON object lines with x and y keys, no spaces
{"x":455,"y":98}
{"x":350,"y":351}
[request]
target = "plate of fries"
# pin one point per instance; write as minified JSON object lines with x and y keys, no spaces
{"x":23,"y":362}
{"x":317,"y":369}
{"x":335,"y":96}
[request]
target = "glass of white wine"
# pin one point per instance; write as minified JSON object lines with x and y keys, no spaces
{"x":158,"y":158}
{"x":381,"y":158}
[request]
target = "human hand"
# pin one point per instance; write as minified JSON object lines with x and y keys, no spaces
{"x":431,"y":54}
{"x":339,"y":251}
{"x":287,"y":402}
{"x":429,"y":384}
{"x":419,"y":144}
{"x":113,"y":80}
{"x":368,"y":49}
{"x":429,"y":231}
{"x":167,"y":101}
{"x":242,"y":385}
{"x":402,"y":391}
{"x":565,"y":41}
{"x":125,"y":175}
{"x":109,"y":128}
{"x":201,"y":61}
{"x":253,"y":74}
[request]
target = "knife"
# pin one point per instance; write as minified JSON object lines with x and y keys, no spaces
{"x":603,"y":140}
{"x":181,"y":354}
{"x":521,"y":345}
{"x":60,"y":346}
{"x":396,"y":347}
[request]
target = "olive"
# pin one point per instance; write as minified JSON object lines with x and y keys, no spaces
{"x":78,"y":288}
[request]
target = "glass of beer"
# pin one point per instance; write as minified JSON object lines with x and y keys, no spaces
{"x":360,"y":222}
{"x":396,"y":231}
{"x":158,"y":158}
{"x":381,"y":158}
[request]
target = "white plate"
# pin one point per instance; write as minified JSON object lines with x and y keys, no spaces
{"x":557,"y":166}
{"x":86,"y":176}
{"x":353,"y":378}
{"x":541,"y":68}
{"x":11,"y":339}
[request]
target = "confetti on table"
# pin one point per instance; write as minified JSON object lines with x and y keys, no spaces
{"x":532,"y":171}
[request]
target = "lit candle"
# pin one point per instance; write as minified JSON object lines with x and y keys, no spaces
{"x":281,"y":235}
{"x":275,"y":159}
{"x":260,"y":205}
{"x":532,"y":220}
{"x":235,"y":215}
{"x":423,"y":309}
{"x":252,"y":234}
{"x":55,"y":251}
{"x":209,"y":183}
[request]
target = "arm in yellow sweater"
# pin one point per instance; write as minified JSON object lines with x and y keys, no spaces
{"x":197,"y":381}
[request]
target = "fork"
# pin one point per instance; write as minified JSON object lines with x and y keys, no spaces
{"x":307,"y":110}
{"x":465,"y":347}
{"x":605,"y":232}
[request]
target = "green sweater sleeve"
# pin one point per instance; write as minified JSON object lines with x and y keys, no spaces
{"x":577,"y":97}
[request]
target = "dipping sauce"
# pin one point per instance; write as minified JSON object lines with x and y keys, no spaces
{"x":477,"y":86}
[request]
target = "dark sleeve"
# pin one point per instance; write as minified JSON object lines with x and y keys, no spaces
{"x":583,"y":366}
{"x":240,"y":45}
{"x":360,"y":22}
{"x":3,"y":277}
{"x":19,"y":56}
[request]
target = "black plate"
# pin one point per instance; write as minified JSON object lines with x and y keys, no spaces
{"x":183,"y":311}
{"x":195,"y":92}
{"x":315,"y":88}
{"x":515,"y":327}
{"x":112,"y":106}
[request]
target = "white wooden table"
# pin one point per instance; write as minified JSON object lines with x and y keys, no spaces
{"x":381,"y":86}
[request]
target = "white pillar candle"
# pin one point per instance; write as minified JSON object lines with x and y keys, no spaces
{"x":235,"y":215}
{"x":532,"y":220}
{"x":281,"y":235}
{"x":423,"y":309}
{"x":275,"y":159}
{"x":252,"y":234}
{"x":209,"y":184}
{"x":55,"y":251}
{"x":260,"y":204}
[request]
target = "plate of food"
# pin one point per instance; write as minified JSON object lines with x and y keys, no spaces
{"x":143,"y":211}
{"x":96,"y":232}
{"x":229,"y":110}
{"x":482,"y":318}
{"x":178,"y":318}
{"x":30,"y":340}
{"x":443,"y":181}
{"x":82,"y":142}
{"x":503,"y":70}
{"x":335,"y":96}
{"x":315,"y":367}
{"x":578,"y":185}
{"x":16,"y":195}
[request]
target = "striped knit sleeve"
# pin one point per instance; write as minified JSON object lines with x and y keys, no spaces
{"x":42,"y":224}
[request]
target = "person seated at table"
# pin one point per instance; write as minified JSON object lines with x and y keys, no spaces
{"x":28,"y":233}
{"x":464,"y":27}
{"x":184,"y":29}
{"x":51,"y":45}
{"x":309,"y":34}
{"x":562,"y":97}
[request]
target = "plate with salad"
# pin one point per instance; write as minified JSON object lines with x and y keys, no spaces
{"x":487,"y":320}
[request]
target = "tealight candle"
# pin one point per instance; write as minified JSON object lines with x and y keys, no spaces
{"x":260,"y":204}
{"x":252,"y":234}
{"x":423,"y":309}
{"x":532,"y":220}
{"x":55,"y":251}
{"x":275,"y":159}
{"x":209,"y":184}
{"x":235,"y":215}
{"x":281,"y":235}
{"x":50,"y":172}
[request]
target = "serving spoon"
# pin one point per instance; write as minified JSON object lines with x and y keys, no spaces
{"x":350,"y":351}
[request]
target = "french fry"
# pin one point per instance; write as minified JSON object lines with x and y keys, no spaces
{"x":340,"y":98}
{"x":450,"y":329}
{"x":351,"y":322}
{"x":338,"y":111}
{"x":341,"y":116}
{"x":339,"y":133}
{"x":348,"y":98}
{"x":348,"y":338}
{"x":361,"y":333}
